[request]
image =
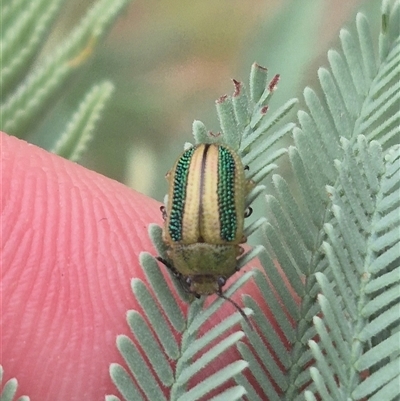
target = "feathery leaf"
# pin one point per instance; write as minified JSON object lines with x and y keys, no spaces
{"x":335,"y":234}
{"x":20,"y":110}
{"x":79,"y":131}
{"x":23,"y":32}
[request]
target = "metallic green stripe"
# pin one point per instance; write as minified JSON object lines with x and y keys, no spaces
{"x":226,"y":194}
{"x":179,"y":194}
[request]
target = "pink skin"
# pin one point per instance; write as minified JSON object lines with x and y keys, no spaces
{"x":70,"y":241}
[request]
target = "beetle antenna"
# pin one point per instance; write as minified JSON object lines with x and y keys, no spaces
{"x":239,"y":309}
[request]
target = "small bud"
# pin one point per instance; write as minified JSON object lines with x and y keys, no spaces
{"x":222,"y":99}
{"x":274,"y":82}
{"x":238,"y":88}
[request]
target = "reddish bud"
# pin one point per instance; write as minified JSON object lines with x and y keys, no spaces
{"x":222,"y":99}
{"x":274,"y":82}
{"x":238,"y":87}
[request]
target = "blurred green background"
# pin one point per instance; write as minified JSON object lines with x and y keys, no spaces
{"x":169,"y":62}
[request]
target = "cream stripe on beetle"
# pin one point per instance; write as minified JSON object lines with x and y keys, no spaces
{"x":204,"y":218}
{"x":193,"y":199}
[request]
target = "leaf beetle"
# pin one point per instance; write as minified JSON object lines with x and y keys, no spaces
{"x":204,"y":218}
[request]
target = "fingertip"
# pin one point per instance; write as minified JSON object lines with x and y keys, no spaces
{"x":70,"y":244}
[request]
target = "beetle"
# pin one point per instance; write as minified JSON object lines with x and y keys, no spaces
{"x":204,"y":218}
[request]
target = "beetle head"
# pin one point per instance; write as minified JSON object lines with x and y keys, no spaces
{"x":205,"y":284}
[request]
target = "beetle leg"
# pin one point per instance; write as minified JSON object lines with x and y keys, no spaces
{"x":248,"y":212}
{"x":164,"y":212}
{"x":169,"y":266}
{"x":221,"y":282}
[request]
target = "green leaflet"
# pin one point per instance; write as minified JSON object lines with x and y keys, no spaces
{"x":9,"y":389}
{"x":335,"y":234}
{"x":28,"y":93}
